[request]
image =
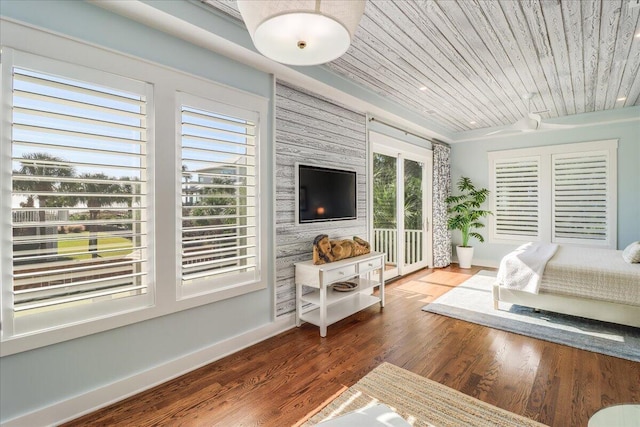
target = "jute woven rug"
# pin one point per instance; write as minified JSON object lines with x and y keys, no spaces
{"x":419,"y":401}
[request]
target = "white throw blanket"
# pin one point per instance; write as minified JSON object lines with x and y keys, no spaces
{"x":522,"y":269}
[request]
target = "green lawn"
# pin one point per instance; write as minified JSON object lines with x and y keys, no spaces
{"x":105,"y":241}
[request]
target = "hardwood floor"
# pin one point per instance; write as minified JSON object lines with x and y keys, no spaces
{"x":285,"y":379}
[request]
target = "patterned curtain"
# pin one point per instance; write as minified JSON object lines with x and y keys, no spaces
{"x":441,"y":190}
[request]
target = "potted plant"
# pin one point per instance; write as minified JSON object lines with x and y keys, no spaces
{"x":464,"y":215}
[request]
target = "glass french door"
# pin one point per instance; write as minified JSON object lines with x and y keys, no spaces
{"x":414,"y":230}
{"x":401,"y":206}
{"x":385,"y":210}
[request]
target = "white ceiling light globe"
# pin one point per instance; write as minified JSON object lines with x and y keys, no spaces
{"x":302,"y":32}
{"x":302,"y":39}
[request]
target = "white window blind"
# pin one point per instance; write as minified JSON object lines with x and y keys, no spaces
{"x":79,"y":204}
{"x":580,"y":208}
{"x":516,"y":198}
{"x":565,"y":193}
{"x":219,"y":196}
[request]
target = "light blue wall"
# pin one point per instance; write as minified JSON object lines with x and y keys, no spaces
{"x":38,"y":378}
{"x":41,"y":377}
{"x":471,"y":159}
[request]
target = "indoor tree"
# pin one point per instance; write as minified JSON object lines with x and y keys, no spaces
{"x":465,"y":214}
{"x":464,"y":210}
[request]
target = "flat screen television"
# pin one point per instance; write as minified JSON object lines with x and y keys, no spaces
{"x":325,"y":194}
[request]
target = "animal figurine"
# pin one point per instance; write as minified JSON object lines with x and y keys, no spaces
{"x":325,"y":250}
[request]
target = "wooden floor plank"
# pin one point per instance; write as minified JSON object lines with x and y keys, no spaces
{"x":286,"y":378}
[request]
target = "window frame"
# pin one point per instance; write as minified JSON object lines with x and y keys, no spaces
{"x":546,"y":190}
{"x":14,"y":325}
{"x":166,"y":83}
{"x":215,"y":288}
{"x":609,"y":190}
{"x":495,"y":233}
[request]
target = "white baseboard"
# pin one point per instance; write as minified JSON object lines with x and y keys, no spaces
{"x":75,"y":407}
{"x":486,"y":263}
{"x":481,"y":262}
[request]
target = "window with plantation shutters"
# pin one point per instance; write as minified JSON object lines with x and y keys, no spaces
{"x":560,"y":193}
{"x":79,"y":196}
{"x":516,"y":198}
{"x":219,"y":200}
{"x":580,"y":199}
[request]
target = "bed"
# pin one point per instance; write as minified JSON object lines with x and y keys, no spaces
{"x":585,"y":282}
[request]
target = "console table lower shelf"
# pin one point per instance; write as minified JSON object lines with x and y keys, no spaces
{"x":339,"y":310}
{"x":326,"y":305}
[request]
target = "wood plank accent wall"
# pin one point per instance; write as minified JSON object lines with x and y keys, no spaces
{"x":312,"y":130}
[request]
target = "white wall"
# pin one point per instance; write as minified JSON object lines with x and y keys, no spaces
{"x":470,"y":159}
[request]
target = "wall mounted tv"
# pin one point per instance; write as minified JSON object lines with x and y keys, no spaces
{"x":325,"y":194}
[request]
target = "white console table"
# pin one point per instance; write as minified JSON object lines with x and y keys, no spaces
{"x":326,"y":306}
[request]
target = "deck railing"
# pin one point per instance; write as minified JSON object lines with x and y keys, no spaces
{"x":386,"y":240}
{"x":33,"y":215}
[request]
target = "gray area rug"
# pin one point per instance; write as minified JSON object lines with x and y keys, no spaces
{"x":472,"y":301}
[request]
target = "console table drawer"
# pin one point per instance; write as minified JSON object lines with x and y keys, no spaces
{"x":369,"y":265}
{"x":342,"y":273}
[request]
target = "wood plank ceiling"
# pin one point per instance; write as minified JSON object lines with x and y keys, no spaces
{"x":466,"y":64}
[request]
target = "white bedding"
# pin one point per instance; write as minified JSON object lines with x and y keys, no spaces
{"x":522,"y":269}
{"x":599,"y":274}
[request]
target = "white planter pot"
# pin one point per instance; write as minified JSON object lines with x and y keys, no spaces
{"x":464,"y":256}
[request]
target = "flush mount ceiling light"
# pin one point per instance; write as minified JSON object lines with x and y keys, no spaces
{"x":301,"y":32}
